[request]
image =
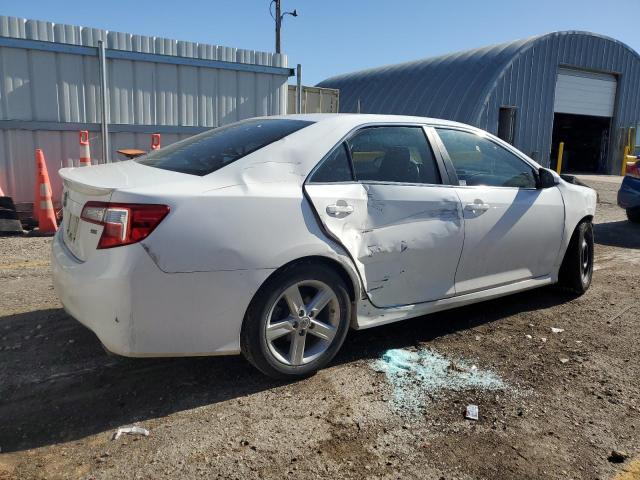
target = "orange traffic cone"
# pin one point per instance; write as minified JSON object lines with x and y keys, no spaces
{"x":155,"y":141}
{"x":85,"y":151}
{"x":46,"y":215}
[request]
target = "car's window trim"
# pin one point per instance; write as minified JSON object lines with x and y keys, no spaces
{"x":440,"y":160}
{"x":345,"y":145}
{"x":433,"y":139}
{"x":485,"y":135}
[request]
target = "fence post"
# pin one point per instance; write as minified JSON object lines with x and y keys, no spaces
{"x":299,"y":89}
{"x":104,"y":126}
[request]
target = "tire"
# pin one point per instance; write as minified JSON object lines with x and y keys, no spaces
{"x":633,"y":214}
{"x":272,"y":326}
{"x":576,"y":271}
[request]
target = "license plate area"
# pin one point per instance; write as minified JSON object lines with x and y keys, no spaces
{"x":71,"y":230}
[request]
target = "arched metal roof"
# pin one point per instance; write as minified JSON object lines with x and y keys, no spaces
{"x":454,"y":86}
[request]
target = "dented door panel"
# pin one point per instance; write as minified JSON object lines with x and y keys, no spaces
{"x":405,"y":239}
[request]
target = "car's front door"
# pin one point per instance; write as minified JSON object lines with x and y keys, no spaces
{"x":513,"y":230}
{"x":380,"y":195}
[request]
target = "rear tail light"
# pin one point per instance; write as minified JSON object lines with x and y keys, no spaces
{"x":633,"y":170}
{"x":124,"y":223}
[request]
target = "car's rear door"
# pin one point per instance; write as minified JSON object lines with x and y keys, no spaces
{"x":513,"y":230}
{"x":380,"y":194}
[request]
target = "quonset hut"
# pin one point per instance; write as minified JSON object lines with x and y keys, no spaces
{"x":579,"y":88}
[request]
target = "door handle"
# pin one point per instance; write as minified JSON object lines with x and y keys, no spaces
{"x":339,"y":209}
{"x":477,"y":207}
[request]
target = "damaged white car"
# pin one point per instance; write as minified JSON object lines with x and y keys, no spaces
{"x":274,"y":236}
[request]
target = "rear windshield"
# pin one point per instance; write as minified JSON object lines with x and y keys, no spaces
{"x":214,"y":149}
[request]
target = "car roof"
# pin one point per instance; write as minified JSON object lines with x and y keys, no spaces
{"x":299,"y":152}
{"x":356,"y":119}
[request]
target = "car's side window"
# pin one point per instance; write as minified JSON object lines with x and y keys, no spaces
{"x":480,"y":161}
{"x":334,"y":168}
{"x":393,"y":154}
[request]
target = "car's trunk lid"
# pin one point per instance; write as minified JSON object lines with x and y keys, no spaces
{"x":98,"y":183}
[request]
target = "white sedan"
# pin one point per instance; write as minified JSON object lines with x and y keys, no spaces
{"x":274,"y":236}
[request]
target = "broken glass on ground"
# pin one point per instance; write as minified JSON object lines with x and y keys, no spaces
{"x":415,"y":375}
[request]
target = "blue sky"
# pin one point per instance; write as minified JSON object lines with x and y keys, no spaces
{"x":333,"y":36}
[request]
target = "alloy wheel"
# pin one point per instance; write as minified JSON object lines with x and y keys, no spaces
{"x":303,"y":322}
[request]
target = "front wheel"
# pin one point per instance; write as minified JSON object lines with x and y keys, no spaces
{"x":576,"y":271}
{"x":633,"y":214}
{"x":297,"y":322}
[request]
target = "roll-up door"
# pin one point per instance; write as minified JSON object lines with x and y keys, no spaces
{"x":585,"y":93}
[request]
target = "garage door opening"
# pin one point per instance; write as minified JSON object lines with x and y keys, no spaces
{"x":585,"y":142}
{"x":583,"y":107}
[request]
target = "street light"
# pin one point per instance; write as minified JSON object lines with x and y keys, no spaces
{"x":278,"y":18}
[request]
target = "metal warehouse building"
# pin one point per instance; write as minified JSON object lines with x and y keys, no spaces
{"x":50,"y":88}
{"x":578,"y":88}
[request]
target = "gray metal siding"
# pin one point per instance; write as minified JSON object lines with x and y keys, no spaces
{"x":472,"y":86}
{"x":154,"y":84}
{"x":539,"y":63}
{"x":447,"y":86}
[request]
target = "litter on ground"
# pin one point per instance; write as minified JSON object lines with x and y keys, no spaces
{"x":131,"y":431}
{"x":416,"y":375}
{"x":557,"y":330}
{"x":472,"y":412}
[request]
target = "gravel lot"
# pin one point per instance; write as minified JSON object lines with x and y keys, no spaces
{"x":558,"y":409}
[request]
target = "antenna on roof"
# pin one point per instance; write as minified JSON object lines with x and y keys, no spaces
{"x":358,"y":111}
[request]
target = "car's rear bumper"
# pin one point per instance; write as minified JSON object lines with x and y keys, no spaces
{"x":95,"y":293}
{"x":137,"y":310}
{"x":629,"y":193}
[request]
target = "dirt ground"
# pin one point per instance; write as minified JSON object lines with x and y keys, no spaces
{"x":565,"y":404}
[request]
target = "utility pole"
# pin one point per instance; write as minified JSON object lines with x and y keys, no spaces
{"x":278,"y":24}
{"x":278,"y":19}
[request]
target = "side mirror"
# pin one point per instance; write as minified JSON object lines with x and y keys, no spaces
{"x":546,"y":179}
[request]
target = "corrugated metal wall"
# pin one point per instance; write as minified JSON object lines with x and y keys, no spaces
{"x":50,"y":89}
{"x":447,"y":86}
{"x":471,"y":87}
{"x":529,"y":82}
{"x":314,"y":100}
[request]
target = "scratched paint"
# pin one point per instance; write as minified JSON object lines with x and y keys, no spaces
{"x":415,"y":376}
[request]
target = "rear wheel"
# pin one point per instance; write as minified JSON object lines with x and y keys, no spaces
{"x":576,"y":271}
{"x":297,"y":322}
{"x":633,"y":214}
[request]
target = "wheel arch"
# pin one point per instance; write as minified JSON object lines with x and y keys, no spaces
{"x":579,"y":206}
{"x":572,"y":231}
{"x":350,"y":278}
{"x":569,"y":233}
{"x":586,"y":218}
{"x":571,"y":275}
